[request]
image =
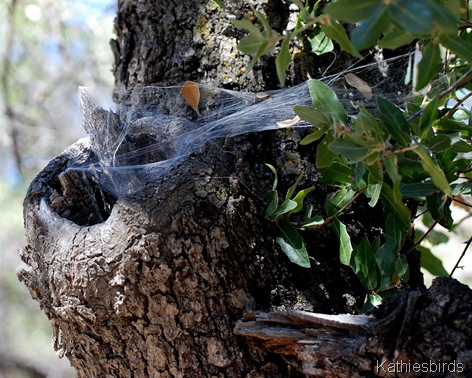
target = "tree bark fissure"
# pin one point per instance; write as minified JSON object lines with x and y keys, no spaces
{"x":405,"y":331}
{"x":163,"y":297}
{"x":153,"y":284}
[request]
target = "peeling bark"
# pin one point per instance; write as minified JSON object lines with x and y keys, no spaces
{"x":157,"y":288}
{"x":154,"y":283}
{"x":414,"y":333}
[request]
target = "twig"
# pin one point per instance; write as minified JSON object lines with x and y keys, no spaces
{"x":425,"y":235}
{"x":452,"y":88}
{"x":467,"y":245}
{"x":329,"y":219}
{"x":462,"y":202}
{"x":458,"y":103}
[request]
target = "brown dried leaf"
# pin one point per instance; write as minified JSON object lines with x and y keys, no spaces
{"x":258,"y":97}
{"x":191,"y":93}
{"x":460,"y":201}
{"x":289,"y":122}
{"x":356,"y":82}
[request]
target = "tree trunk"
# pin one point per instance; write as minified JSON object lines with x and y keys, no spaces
{"x":153,"y":283}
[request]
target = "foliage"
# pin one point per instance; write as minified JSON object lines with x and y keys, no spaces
{"x":49,"y":50}
{"x":417,"y":154}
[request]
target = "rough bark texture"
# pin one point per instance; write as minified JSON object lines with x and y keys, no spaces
{"x":154,"y":284}
{"x":159,"y":286}
{"x":414,"y":334}
{"x":174,"y":41}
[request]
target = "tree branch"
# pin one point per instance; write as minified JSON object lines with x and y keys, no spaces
{"x":7,"y":105}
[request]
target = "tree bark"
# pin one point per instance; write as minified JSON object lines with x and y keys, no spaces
{"x":153,"y":284}
{"x":413,"y":334}
{"x":171,"y":42}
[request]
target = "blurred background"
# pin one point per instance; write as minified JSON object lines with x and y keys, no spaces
{"x":48,"y":48}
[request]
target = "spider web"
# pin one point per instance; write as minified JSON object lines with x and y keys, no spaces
{"x":154,"y":129}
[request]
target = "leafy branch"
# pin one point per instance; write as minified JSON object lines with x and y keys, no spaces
{"x":260,"y":42}
{"x":396,"y":155}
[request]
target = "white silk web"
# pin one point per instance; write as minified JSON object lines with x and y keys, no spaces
{"x":155,"y":128}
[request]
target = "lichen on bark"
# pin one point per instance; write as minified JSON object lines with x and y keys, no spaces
{"x":157,"y":287}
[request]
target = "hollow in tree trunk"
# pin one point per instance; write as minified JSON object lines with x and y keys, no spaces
{"x":153,"y":276}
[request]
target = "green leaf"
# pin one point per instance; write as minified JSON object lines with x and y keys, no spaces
{"x":373,"y":192}
{"x":461,"y":147}
{"x":410,"y":167}
{"x":299,"y":198}
{"x":431,"y":263}
{"x":437,"y":174}
{"x":428,"y":66}
{"x":395,"y":37}
{"x":313,"y":137}
{"x":350,"y":150}
{"x":458,"y":45}
{"x":369,"y":31}
{"x":428,"y":116}
{"x":317,"y":220}
{"x":272,"y":203}
{"x":358,"y":172}
{"x":336,"y":173}
{"x":396,"y":206}
{"x":245,"y":24}
{"x":391,"y":166}
{"x":454,"y":9}
{"x":292,"y":244}
{"x":439,"y":143}
{"x":265,"y":23}
{"x":413,"y":16}
{"x":417,"y":189}
{"x":310,"y":115}
{"x":434,"y":237}
{"x":320,"y":43}
{"x":324,"y":155}
{"x":376,"y":173}
{"x":283,"y":60}
{"x":293,"y":188}
{"x":366,"y":124}
{"x":446,"y":15}
{"x":403,"y":271}
{"x":394,"y":122}
{"x":353,"y":11}
{"x":339,"y":200}
{"x":325,"y":100}
{"x":303,"y":10}
{"x":394,"y":232}
{"x":365,"y":265}
{"x":336,"y":32}
{"x":345,"y":247}
{"x":274,"y":171}
{"x":447,"y":126}
{"x":463,"y":188}
{"x":263,"y":49}
{"x":372,"y":158}
{"x":440,"y":208}
{"x":376,"y":244}
{"x":285,"y":208}
{"x":385,"y":259}
{"x":220,"y":3}
{"x":373,"y":301}
{"x":249,"y":44}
